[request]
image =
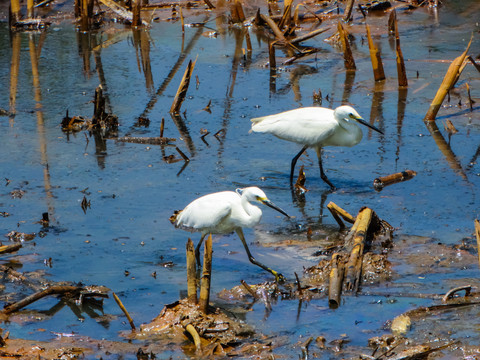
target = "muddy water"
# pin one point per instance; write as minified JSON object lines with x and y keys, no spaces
{"x":125,"y":238}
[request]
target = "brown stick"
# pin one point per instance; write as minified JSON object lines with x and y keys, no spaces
{"x":335,"y":281}
{"x":375,"y":57}
{"x":15,"y":9}
{"x":206,"y":276}
{"x":477,"y":234}
{"x":120,"y":304}
{"x":347,"y":51}
{"x":191,"y":273}
{"x":276,"y":30}
{"x":249,"y":289}
{"x":353,"y":267}
{"x":380,"y":182}
{"x":310,"y":35}
{"x":448,"y":82}
{"x":182,"y":89}
{"x":38,"y":295}
{"x":271,"y":55}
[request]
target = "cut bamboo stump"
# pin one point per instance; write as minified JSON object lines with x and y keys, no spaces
{"x":354,"y":264}
{"x":335,"y":281}
{"x":191,"y":273}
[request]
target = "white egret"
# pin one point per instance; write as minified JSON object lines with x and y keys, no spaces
{"x":225,"y":212}
{"x":314,"y":127}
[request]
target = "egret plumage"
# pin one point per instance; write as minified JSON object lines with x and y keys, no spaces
{"x":315,"y":127}
{"x":225,"y":212}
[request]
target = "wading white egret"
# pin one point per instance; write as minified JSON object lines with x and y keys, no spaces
{"x":314,"y":127}
{"x":225,"y":212}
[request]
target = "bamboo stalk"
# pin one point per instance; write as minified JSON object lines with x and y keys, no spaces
{"x":206,"y":276}
{"x":477,"y":234}
{"x":182,"y":89}
{"x":375,"y":57}
{"x":354,"y":264}
{"x":191,"y":273}
{"x":347,"y":51}
{"x":448,"y":82}
{"x":401,"y":72}
{"x":335,"y":281}
{"x":120,"y":304}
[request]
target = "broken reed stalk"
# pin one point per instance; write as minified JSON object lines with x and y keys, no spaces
{"x":120,"y":304}
{"x":276,"y":30}
{"x":335,"y":281}
{"x":401,"y":72}
{"x":237,"y":13}
{"x":182,"y":20}
{"x":336,"y":210}
{"x":196,"y":338}
{"x":38,"y":295}
{"x":182,"y":89}
{"x":448,"y":82}
{"x":347,"y":51}
{"x":348,"y":11}
{"x":191,"y":273}
{"x":249,"y":289}
{"x":310,"y":35}
{"x":354,"y":264}
{"x":477,"y":234}
{"x":375,"y":57}
{"x":4,"y":249}
{"x":206,"y":276}
{"x":380,"y":182}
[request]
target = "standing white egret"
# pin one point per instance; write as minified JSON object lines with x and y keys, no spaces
{"x":314,"y":127}
{"x":225,"y":212}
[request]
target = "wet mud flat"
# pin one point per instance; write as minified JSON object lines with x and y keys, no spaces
{"x":132,"y":124}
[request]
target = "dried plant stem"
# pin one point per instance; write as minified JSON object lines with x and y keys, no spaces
{"x":276,"y":30}
{"x":182,"y":89}
{"x":347,"y":51}
{"x":375,"y":57}
{"x":448,"y":82}
{"x":191,"y":273}
{"x":206,"y":276}
{"x":335,"y":280}
{"x":120,"y":304}
{"x":354,"y":264}
{"x":271,"y":56}
{"x":196,"y":338}
{"x":337,"y":211}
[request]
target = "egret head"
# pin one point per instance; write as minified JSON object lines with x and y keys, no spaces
{"x":348,"y":114}
{"x":256,"y":194}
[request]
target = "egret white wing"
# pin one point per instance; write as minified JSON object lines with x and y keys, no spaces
{"x":207,"y":212}
{"x":306,"y":126}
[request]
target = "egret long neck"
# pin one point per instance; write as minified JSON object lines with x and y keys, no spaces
{"x":253,"y":213}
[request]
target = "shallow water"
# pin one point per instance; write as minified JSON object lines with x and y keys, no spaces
{"x":133,"y":191}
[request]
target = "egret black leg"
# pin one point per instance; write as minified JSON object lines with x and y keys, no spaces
{"x":294,"y":162}
{"x":197,"y":249}
{"x":278,"y":277}
{"x":322,"y":173}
